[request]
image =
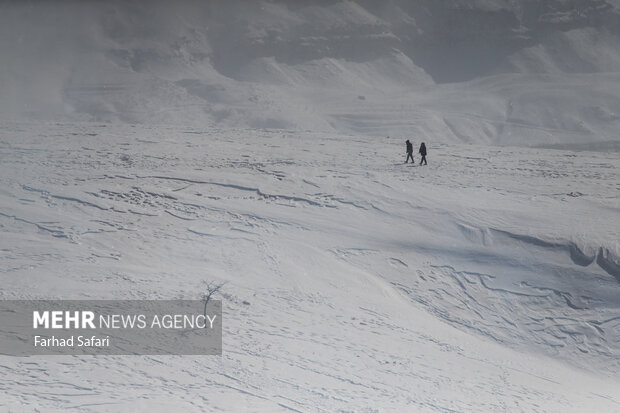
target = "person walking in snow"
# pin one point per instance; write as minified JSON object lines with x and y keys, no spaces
{"x":409,"y":152}
{"x":422,"y":152}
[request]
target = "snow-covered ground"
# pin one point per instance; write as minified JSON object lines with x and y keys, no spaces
{"x":147,"y":150}
{"x":488,"y":280}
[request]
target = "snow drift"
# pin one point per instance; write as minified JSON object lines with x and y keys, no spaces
{"x":485,"y":281}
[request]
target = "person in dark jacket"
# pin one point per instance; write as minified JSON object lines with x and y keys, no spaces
{"x":423,"y":153}
{"x":409,"y":152}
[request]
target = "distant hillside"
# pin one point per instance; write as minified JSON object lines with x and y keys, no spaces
{"x":502,"y":72}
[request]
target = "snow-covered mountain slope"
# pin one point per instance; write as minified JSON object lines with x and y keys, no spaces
{"x":148,"y":148}
{"x":488,"y":280}
{"x":453,"y":71}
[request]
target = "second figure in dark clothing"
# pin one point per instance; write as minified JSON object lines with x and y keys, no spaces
{"x":423,"y":154}
{"x":409,"y":152}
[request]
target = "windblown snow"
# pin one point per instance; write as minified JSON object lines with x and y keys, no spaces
{"x":148,"y":151}
{"x":488,"y":280}
{"x":499,"y":72}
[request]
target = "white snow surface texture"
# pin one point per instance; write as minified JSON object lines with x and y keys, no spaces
{"x":486,"y":281}
{"x":149,"y":148}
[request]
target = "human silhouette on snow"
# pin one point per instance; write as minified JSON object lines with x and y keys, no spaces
{"x":422,"y":154}
{"x":409,"y":152}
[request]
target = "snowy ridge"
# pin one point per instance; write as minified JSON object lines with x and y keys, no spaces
{"x":382,"y":284}
{"x":460,"y":71}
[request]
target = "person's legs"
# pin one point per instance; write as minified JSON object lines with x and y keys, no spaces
{"x":409,"y":156}
{"x":423,"y":160}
